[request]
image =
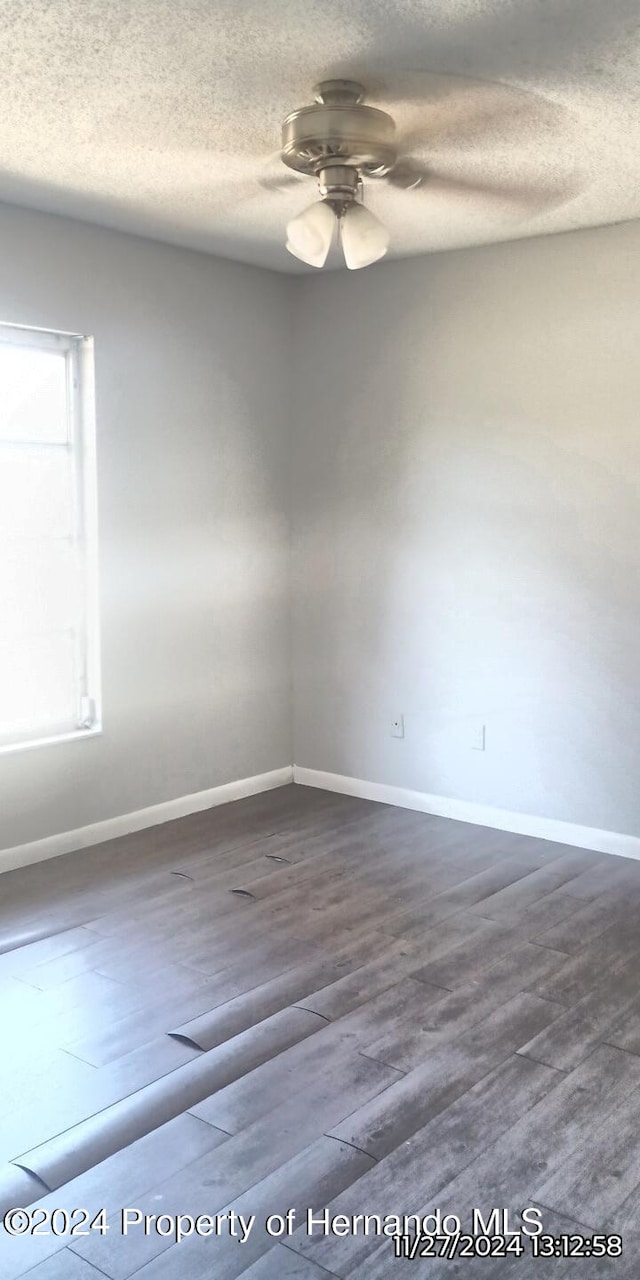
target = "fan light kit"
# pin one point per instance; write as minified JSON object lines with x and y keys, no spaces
{"x":339,"y":141}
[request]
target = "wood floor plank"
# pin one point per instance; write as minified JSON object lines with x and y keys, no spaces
{"x":228,"y":1019}
{"x":624,"y":1268}
{"x":468,"y":893}
{"x":246,"y":1099}
{"x":123,"y":1035}
{"x":18,"y":960}
{"x":53,"y":973}
{"x":590,"y":922}
{"x":316,"y":1175}
{"x":623,"y":874}
{"x":475,"y":956}
{"x":281,"y":1263}
{"x":346,"y":993}
{"x":78,"y":1148}
{"x":569,"y":1040}
{"x":625,"y":1219}
{"x":554,"y":907}
{"x":405,"y":1046}
{"x":408,"y":1176}
{"x":595,"y":1182}
{"x":266,"y":958}
{"x":606,"y":954}
{"x":254,"y":1096}
{"x":111,"y":1185}
{"x":445,"y":1075}
{"x":17,"y":1188}
{"x":48,"y":1102}
{"x":208,"y":1184}
{"x":547,"y":1145}
{"x":489,"y":969}
{"x":64,"y":1266}
{"x":530,"y":889}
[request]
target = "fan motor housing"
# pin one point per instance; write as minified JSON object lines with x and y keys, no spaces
{"x":339,"y":128}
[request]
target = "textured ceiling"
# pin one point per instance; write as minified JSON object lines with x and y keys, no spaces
{"x":161,"y":117}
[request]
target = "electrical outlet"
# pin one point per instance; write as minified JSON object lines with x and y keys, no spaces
{"x":479,"y":738}
{"x":397,"y":727}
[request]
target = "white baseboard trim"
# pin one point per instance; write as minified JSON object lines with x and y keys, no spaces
{"x":625,"y":846}
{"x":22,"y":855}
{"x":524,"y":824}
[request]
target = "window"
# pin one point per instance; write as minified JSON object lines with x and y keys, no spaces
{"x":49,"y":661}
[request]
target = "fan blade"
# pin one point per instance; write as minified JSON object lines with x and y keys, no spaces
{"x":275,"y":175}
{"x":529,"y":194}
{"x":227,"y":175}
{"x":407,"y":176}
{"x":281,"y":182}
{"x":433,"y":109}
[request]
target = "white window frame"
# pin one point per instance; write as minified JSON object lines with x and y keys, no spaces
{"x":81,"y":440}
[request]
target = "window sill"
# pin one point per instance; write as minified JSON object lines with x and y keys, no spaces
{"x":76,"y":735}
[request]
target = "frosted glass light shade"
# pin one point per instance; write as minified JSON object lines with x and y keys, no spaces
{"x":309,"y":235}
{"x":364,"y":238}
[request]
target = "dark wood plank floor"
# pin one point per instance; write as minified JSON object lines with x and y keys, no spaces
{"x":304,"y":1000}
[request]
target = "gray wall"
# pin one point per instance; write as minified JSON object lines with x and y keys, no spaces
{"x":467,"y":525}
{"x":192,"y":443}
{"x":466,"y":515}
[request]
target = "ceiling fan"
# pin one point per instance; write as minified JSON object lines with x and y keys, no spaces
{"x":340,"y":141}
{"x":343,"y":142}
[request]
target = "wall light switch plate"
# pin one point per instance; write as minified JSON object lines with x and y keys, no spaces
{"x":397,"y":727}
{"x":479,"y":738}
